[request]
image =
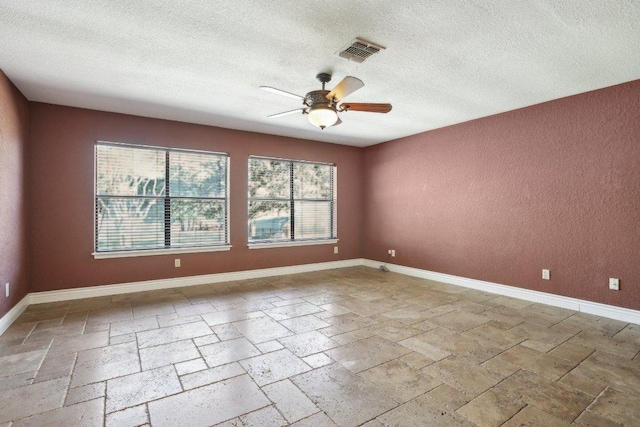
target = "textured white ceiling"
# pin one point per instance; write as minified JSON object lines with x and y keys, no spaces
{"x":446,"y":62}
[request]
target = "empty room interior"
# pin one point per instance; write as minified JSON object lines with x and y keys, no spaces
{"x":371,"y":213}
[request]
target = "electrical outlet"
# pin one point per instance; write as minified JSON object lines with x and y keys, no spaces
{"x":546,"y":275}
{"x":6,"y":290}
{"x":614,"y":284}
{"x":335,"y":249}
{"x":176,"y":262}
{"x":389,"y":251}
{"x":393,"y":252}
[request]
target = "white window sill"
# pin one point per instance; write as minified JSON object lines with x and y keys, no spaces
{"x":268,"y":245}
{"x":153,"y":252}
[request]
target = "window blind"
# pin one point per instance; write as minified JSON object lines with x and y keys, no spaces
{"x":155,"y":198}
{"x":291,"y":200}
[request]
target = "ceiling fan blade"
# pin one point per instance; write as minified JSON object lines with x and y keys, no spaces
{"x":286,"y":113}
{"x":281,"y":92}
{"x":346,"y":87}
{"x":371,"y":108}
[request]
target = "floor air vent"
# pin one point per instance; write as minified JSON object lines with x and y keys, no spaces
{"x":359,"y":50}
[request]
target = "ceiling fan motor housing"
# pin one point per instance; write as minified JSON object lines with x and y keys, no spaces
{"x":316,"y":98}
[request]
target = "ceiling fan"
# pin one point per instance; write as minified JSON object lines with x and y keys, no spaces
{"x":322,"y":105}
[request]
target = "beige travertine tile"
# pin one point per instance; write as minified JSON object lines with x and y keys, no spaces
{"x":365,"y":354}
{"x":399,"y":380}
{"x":541,"y":363}
{"x":317,"y":360}
{"x":353,"y":336}
{"x":624,"y":349}
{"x":494,"y":334}
{"x":555,"y":398}
{"x":606,"y":368}
{"x":228,"y":351}
{"x":290,"y":401}
{"x":589,"y":419}
{"x":268,"y":416}
{"x":362,"y":308}
{"x":226,"y":332}
{"x":463,"y":374}
{"x":308,"y":343}
{"x":491,"y":408}
{"x":154,"y":309}
{"x":108,"y":315}
{"x":290,"y":311}
{"x":318,"y":420}
{"x":172,"y":334}
{"x":193,"y":310}
{"x":135,"y":325}
{"x":134,"y":416}
{"x":269,"y":346}
{"x":191,"y":366}
{"x":135,"y":389}
{"x":234,"y":397}
{"x":120,"y":339}
{"x":592,"y":387}
{"x":345,"y":398}
{"x":261,"y":329}
{"x":417,"y":360}
{"x":210,"y":376}
{"x":272,"y":367}
{"x":168,"y":354}
{"x":104,"y":363}
{"x":85,"y":393}
{"x":304,"y":324}
{"x":75,"y":343}
{"x":349,"y":322}
{"x":460,"y":321}
{"x":617,"y":406}
{"x":572,"y":352}
{"x":86,"y":414}
{"x":32,"y":399}
{"x":17,"y":380}
{"x":448,"y":397}
{"x":223,"y":317}
{"x":35,"y":313}
{"x":533,"y":417}
{"x":206,"y":340}
{"x":21,"y":362}
{"x":421,"y":344}
{"x":422,"y":411}
{"x":172,"y":319}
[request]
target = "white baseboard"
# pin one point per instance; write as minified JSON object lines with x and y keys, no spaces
{"x":612,"y":312}
{"x":178,"y":282}
{"x":604,"y":310}
{"x":11,"y":316}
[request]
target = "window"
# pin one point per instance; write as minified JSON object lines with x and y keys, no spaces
{"x":291,"y":201}
{"x":151,"y":198}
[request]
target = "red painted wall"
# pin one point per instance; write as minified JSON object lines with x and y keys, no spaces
{"x":14,"y":110}
{"x":555,"y":186}
{"x":61,"y":197}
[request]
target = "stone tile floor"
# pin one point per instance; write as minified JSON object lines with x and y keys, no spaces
{"x":346,"y":347}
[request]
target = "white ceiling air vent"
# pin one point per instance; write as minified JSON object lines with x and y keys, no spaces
{"x":359,"y":50}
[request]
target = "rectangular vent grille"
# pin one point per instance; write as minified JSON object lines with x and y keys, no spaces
{"x":359,"y":50}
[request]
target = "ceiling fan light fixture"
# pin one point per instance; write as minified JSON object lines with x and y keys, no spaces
{"x":323,"y":116}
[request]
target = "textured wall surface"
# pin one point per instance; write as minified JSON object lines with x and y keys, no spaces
{"x":13,"y":148}
{"x":61,"y":197}
{"x":554,"y":186}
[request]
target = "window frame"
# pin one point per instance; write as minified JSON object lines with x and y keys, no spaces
{"x":276,"y":243}
{"x":166,"y":200}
